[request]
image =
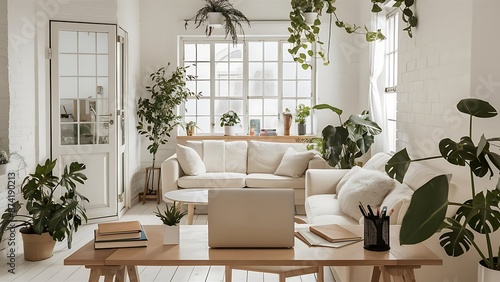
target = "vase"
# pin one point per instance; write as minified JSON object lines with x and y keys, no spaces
{"x":301,"y":128}
{"x":171,"y":234}
{"x":485,"y":274}
{"x":190,"y":131}
{"x":3,"y":169}
{"x":310,"y":17}
{"x":287,"y":123}
{"x":215,"y":19}
{"x":229,"y":130}
{"x":37,"y":246}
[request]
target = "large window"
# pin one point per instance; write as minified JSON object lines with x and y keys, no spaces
{"x":258,"y":79}
{"x":391,"y":67}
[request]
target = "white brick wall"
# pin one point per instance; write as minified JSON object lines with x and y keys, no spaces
{"x":4,"y":86}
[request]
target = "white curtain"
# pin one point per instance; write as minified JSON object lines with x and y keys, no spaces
{"x":376,"y":99}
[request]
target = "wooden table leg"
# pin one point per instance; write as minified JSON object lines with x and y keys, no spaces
{"x":120,"y":275}
{"x":132,"y":273}
{"x":400,"y":273}
{"x":94,"y":275}
{"x":190,"y":214}
{"x":108,"y":271}
{"x":229,"y":274}
{"x":320,"y":277}
{"x":376,"y":274}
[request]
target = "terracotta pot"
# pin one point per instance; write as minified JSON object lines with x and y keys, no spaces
{"x":37,"y":246}
{"x":171,"y":234}
{"x":485,"y":274}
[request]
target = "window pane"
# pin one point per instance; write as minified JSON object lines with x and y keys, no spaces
{"x":189,"y":52}
{"x":203,"y":70}
{"x":221,"y":106}
{"x":270,"y":106}
{"x":203,"y":107}
{"x":221,"y":70}
{"x":203,"y":52}
{"x":203,"y":87}
{"x":221,"y":52}
{"x":204,"y":124}
{"x":236,"y":52}
{"x":289,"y":70}
{"x":271,"y":122}
{"x":289,"y":89}
{"x":221,"y":88}
{"x":304,"y":89}
{"x":190,"y":106}
{"x":236,"y":87}
{"x":271,"y":88}
{"x":255,"y":51}
{"x":255,"y":88}
{"x":237,"y":106}
{"x":255,"y":70}
{"x":271,"y":51}
{"x":255,"y":106}
{"x":271,"y":70}
{"x":236,"y":70}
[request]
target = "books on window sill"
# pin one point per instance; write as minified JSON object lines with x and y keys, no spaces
{"x":312,"y":239}
{"x":120,"y":235}
{"x":268,"y":132}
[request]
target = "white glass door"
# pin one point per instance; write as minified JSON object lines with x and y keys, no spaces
{"x":83,"y":108}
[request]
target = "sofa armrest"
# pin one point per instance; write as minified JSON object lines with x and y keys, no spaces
{"x":323,"y":181}
{"x":171,"y":171}
{"x":317,"y":162}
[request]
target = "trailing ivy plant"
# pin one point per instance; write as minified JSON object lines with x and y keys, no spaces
{"x":303,"y":36}
{"x":158,"y":114}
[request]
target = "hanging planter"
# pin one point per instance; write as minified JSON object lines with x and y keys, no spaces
{"x":215,"y":19}
{"x":310,"y":17}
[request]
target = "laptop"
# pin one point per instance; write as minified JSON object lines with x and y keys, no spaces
{"x":251,"y":218}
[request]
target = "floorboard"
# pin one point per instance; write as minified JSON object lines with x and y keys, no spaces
{"x":54,"y":270}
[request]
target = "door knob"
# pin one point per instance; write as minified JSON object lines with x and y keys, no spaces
{"x":111,"y":122}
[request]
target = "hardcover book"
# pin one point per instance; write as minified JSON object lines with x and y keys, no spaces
{"x":119,"y":227}
{"x":142,"y":241}
{"x":334,"y":233}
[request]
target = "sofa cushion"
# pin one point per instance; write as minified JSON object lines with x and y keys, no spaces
{"x":398,"y":199}
{"x":197,"y":146}
{"x":366,"y":186}
{"x":213,"y":179}
{"x":377,"y":162}
{"x":263,"y":180}
{"x":214,"y":155}
{"x":265,"y":157}
{"x":236,"y":156}
{"x":190,"y":161}
{"x":325,"y":208}
{"x":294,"y":163}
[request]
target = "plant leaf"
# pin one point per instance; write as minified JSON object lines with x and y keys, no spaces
{"x":458,"y":153}
{"x":326,"y":106}
{"x":458,"y":240}
{"x":477,"y":108}
{"x":426,"y":212}
{"x":398,"y":164}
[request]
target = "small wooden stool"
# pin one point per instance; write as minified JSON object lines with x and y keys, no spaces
{"x":150,"y":173}
{"x":282,"y":271}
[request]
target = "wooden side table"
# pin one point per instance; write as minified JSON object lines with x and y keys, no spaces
{"x":150,"y":174}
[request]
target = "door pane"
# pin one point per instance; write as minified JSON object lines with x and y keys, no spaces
{"x":86,"y":42}
{"x":68,"y":42}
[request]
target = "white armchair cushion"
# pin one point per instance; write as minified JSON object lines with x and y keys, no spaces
{"x":369,"y":187}
{"x":294,"y":163}
{"x":190,"y":161}
{"x":399,"y":200}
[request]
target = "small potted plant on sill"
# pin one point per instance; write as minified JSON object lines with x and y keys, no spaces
{"x":49,"y":219}
{"x":229,"y":120}
{"x":191,"y":127}
{"x":301,"y":113}
{"x":4,"y":160}
{"x":171,"y":218}
{"x":214,"y":13}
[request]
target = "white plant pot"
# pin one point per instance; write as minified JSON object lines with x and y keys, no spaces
{"x":485,"y":274}
{"x":171,"y":235}
{"x":310,"y":17}
{"x":3,"y":169}
{"x":215,"y":19}
{"x":230,"y":130}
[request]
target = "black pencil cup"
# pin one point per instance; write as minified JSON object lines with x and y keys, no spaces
{"x":377,"y":234}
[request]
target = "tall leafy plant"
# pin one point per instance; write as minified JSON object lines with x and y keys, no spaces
{"x":342,"y":144}
{"x":158,"y":114}
{"x":481,"y":213}
{"x":60,"y":216}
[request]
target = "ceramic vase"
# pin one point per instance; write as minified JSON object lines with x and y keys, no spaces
{"x":171,"y":234}
{"x":485,"y":274}
{"x":287,"y":123}
{"x":229,"y":130}
{"x":301,"y":128}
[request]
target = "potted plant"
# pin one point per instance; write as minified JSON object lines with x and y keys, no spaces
{"x":480,"y":214}
{"x":191,"y":127}
{"x":229,"y":120}
{"x":301,"y":113}
{"x":304,"y":34}
{"x":341,"y":145}
{"x":214,"y":13}
{"x":49,"y":218}
{"x":158,"y":114}
{"x":171,"y":217}
{"x":4,"y":160}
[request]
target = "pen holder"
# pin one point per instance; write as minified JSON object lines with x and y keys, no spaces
{"x":377,"y":234}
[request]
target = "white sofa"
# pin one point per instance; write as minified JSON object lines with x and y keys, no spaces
{"x":322,"y":206}
{"x":238,"y":164}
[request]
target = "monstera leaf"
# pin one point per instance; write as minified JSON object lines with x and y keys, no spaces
{"x":397,"y":166}
{"x":477,"y":108}
{"x":481,"y":213}
{"x":458,"y":153}
{"x":458,"y":240}
{"x":426,"y":212}
{"x":334,"y":140}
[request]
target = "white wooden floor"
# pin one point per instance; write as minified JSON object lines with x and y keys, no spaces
{"x":53,"y":270}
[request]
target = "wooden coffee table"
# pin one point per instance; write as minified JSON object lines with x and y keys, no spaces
{"x":190,"y":197}
{"x":193,"y":250}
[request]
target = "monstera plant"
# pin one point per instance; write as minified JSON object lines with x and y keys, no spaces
{"x":342,"y":144}
{"x":481,"y":213}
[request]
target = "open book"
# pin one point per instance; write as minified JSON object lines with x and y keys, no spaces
{"x":334,"y":233}
{"x":312,"y":239}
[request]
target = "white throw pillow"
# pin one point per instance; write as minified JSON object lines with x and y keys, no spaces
{"x":398,"y":199}
{"x":366,"y":186}
{"x":294,"y":163}
{"x":190,"y":161}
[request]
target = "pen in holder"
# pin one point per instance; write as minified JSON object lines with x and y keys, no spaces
{"x":377,"y":233}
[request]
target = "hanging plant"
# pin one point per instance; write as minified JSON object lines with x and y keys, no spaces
{"x":303,"y":35}
{"x":232,"y":17}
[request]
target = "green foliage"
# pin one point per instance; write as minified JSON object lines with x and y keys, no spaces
{"x":304,"y":36}
{"x":342,"y":144}
{"x":171,"y":216}
{"x":158,"y":114}
{"x":229,"y":118}
{"x":61,"y":217}
{"x":481,"y":213}
{"x":301,"y":113}
{"x":232,"y":16}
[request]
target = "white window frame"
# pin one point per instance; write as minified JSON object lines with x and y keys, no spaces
{"x":391,"y":76}
{"x":214,"y":120}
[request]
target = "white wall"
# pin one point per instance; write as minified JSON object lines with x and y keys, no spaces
{"x":339,"y":83}
{"x":4,"y":78}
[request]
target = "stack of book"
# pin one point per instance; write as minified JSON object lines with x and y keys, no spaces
{"x":126,"y":234}
{"x":268,"y":132}
{"x":330,"y":235}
